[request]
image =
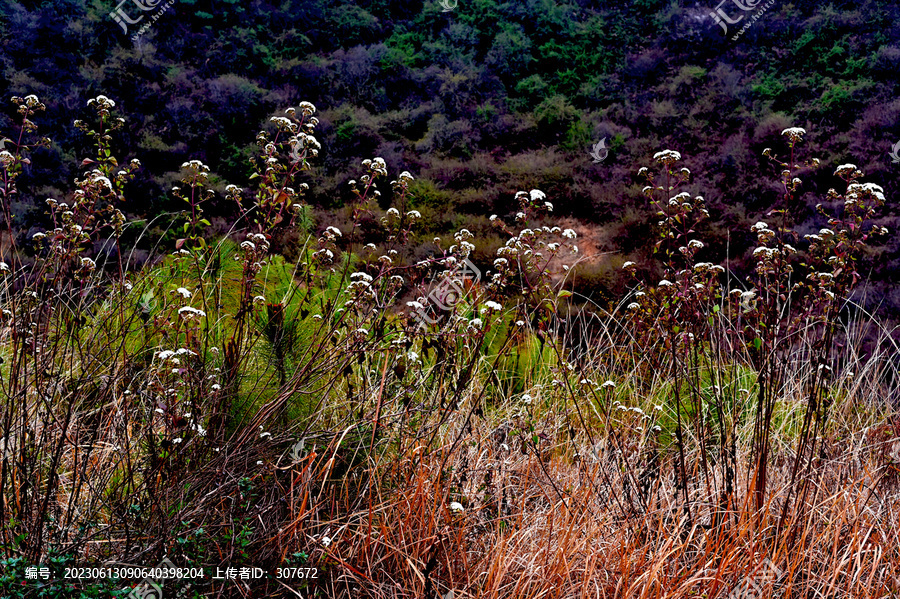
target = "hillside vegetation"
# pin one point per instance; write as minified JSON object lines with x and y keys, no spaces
{"x":400,"y":427}
{"x":478,"y":103}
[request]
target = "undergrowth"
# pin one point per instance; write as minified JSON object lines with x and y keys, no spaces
{"x":406,"y":427}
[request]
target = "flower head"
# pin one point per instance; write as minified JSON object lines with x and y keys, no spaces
{"x":794,"y":134}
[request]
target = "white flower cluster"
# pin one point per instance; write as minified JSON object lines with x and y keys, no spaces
{"x":195,"y":165}
{"x":376,"y":166}
{"x":847,"y":170}
{"x":666,"y":157}
{"x":794,"y":134}
{"x":188,"y":313}
{"x":859,"y":191}
{"x":101,"y":101}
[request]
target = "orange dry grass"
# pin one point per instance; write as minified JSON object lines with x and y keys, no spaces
{"x":542,"y":525}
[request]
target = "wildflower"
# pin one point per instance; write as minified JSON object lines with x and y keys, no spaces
{"x":4,"y":267}
{"x":665,"y":283}
{"x":633,"y":306}
{"x":216,"y":387}
{"x":476,"y":323}
{"x":855,"y":189}
{"x":794,"y":133}
{"x":666,"y":157}
{"x":569,"y":234}
{"x":326,"y":541}
{"x":490,"y":306}
{"x":414,"y":214}
{"x":537,"y":195}
{"x":184,"y":292}
{"x":415,"y":305}
{"x":393,"y":212}
{"x":165,"y":354}
{"x":264,"y":435}
{"x":334,"y":231}
{"x":307,"y":108}
{"x":608,"y":385}
{"x":520,"y":323}
{"x":189,"y":313}
{"x":102,"y":101}
{"x":362,"y":276}
{"x":628,"y":264}
{"x":695,"y":244}
{"x":845,"y":169}
{"x":455,"y":506}
{"x":177,"y":440}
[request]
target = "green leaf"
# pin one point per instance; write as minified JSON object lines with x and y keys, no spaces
{"x":203,"y":221}
{"x":563,"y":293}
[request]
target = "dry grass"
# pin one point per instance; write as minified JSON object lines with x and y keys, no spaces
{"x":540,"y":524}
